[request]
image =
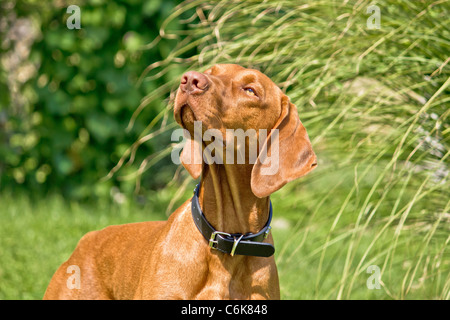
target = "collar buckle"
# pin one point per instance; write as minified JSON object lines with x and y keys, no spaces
{"x":212,"y":239}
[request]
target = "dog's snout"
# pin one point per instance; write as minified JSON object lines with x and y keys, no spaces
{"x":193,"y":82}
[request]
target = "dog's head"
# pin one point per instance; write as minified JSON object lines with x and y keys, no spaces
{"x":230,"y":97}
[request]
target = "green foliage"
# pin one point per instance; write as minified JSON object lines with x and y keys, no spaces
{"x":67,"y":124}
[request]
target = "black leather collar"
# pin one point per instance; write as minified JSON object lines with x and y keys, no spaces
{"x":248,"y":244}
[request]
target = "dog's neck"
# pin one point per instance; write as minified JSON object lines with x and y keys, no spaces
{"x":227,"y":200}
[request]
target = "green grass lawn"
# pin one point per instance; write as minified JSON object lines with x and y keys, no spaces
{"x":37,"y":236}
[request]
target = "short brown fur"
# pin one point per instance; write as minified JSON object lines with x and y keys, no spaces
{"x":171,"y":259}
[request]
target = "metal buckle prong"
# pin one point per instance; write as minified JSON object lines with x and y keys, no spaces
{"x":213,"y":240}
{"x":266,"y":234}
{"x":235,"y":244}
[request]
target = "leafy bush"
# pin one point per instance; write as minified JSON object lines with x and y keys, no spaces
{"x":68,"y":95}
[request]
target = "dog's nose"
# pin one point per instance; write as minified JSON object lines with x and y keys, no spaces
{"x":193,"y":82}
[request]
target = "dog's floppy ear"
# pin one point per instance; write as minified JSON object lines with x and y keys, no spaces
{"x":295,"y":154}
{"x":191,"y":156}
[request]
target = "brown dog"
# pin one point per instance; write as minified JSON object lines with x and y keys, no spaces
{"x":218,"y":245}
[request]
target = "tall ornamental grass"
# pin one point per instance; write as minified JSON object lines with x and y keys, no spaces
{"x":372,"y":221}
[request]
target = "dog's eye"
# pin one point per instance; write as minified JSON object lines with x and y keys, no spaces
{"x":250,"y":91}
